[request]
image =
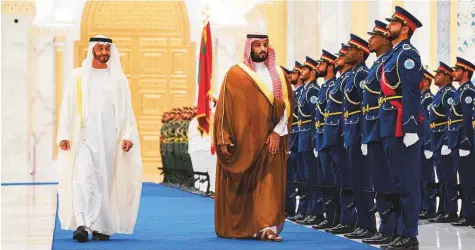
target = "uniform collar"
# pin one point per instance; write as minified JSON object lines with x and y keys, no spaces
{"x":299,"y":87}
{"x":357,"y":66}
{"x":329,"y":80}
{"x":401,"y":43}
{"x":446,"y":87}
{"x":382,"y":55}
{"x":465,"y":83}
{"x":426,"y":92}
{"x":308,"y":84}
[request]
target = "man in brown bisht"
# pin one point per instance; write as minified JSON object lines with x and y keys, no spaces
{"x":251,"y":128}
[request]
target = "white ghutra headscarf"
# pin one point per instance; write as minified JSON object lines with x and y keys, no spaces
{"x":114,"y":61}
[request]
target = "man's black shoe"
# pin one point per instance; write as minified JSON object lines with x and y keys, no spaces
{"x":98,"y":236}
{"x":402,"y":243}
{"x":341,"y":229}
{"x":308,"y":218}
{"x":297,"y":217}
{"x":81,"y":235}
{"x":316,"y":219}
{"x":425,"y":215}
{"x":461,"y":223}
{"x":446,"y":218}
{"x":378,"y":239}
{"x":323,"y":225}
{"x":361,"y":234}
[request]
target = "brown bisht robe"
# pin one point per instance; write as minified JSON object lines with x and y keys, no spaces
{"x":250,"y":184}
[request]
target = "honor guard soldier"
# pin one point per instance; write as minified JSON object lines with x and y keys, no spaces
{"x":333,"y":141}
{"x":371,"y":143}
{"x":360,"y":170}
{"x":295,"y":158}
{"x":444,"y":163}
{"x":399,"y":113}
{"x":306,"y":107}
{"x":326,"y":69}
{"x":461,"y":138}
{"x":290,"y":201}
{"x":428,"y":185}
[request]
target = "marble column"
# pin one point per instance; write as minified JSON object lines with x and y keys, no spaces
{"x":17,"y":19}
{"x":42,"y":104}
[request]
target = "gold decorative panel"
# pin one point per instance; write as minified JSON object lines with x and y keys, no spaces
{"x":157,"y":57}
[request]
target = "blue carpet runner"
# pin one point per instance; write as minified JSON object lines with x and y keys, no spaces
{"x":173,"y":219}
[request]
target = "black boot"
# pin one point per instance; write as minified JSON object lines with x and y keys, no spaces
{"x":98,"y":236}
{"x":402,"y":243}
{"x":378,"y":239}
{"x":81,"y":235}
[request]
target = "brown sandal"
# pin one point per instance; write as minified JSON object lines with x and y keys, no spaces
{"x":268,"y":235}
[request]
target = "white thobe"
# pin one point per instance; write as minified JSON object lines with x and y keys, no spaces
{"x":99,"y":184}
{"x":93,"y":170}
{"x":264,"y":74}
{"x":281,"y":127}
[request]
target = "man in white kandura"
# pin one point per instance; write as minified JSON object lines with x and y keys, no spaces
{"x":100,"y":161}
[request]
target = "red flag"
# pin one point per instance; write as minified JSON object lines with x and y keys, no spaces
{"x":204,"y":80}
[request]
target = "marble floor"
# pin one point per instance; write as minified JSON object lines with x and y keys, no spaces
{"x":28,"y":213}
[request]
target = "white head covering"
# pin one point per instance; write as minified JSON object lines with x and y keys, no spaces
{"x":113,"y":64}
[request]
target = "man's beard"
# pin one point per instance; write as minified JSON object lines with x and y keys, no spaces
{"x":338,"y":68}
{"x":393,"y":35}
{"x":322,"y":73}
{"x":257,"y":57}
{"x":102,"y":58}
{"x":293,"y":82}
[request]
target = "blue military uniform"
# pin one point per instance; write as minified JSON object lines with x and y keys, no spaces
{"x":360,"y":169}
{"x":382,"y":177}
{"x":461,"y":137}
{"x":326,"y":166}
{"x":295,"y":160}
{"x":333,"y":141}
{"x":428,"y":185}
{"x":446,"y":171}
{"x":291,"y":172}
{"x":398,"y":116}
{"x":306,"y":107}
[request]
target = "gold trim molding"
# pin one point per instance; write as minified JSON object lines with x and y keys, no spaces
{"x":19,"y":7}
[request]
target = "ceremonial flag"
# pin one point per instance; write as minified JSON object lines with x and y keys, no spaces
{"x":204,"y":80}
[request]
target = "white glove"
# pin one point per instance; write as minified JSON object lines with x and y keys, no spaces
{"x":410,"y":139}
{"x":364,"y":149}
{"x":464,"y":153}
{"x":428,"y":154}
{"x":445,"y":150}
{"x":315,"y":152}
